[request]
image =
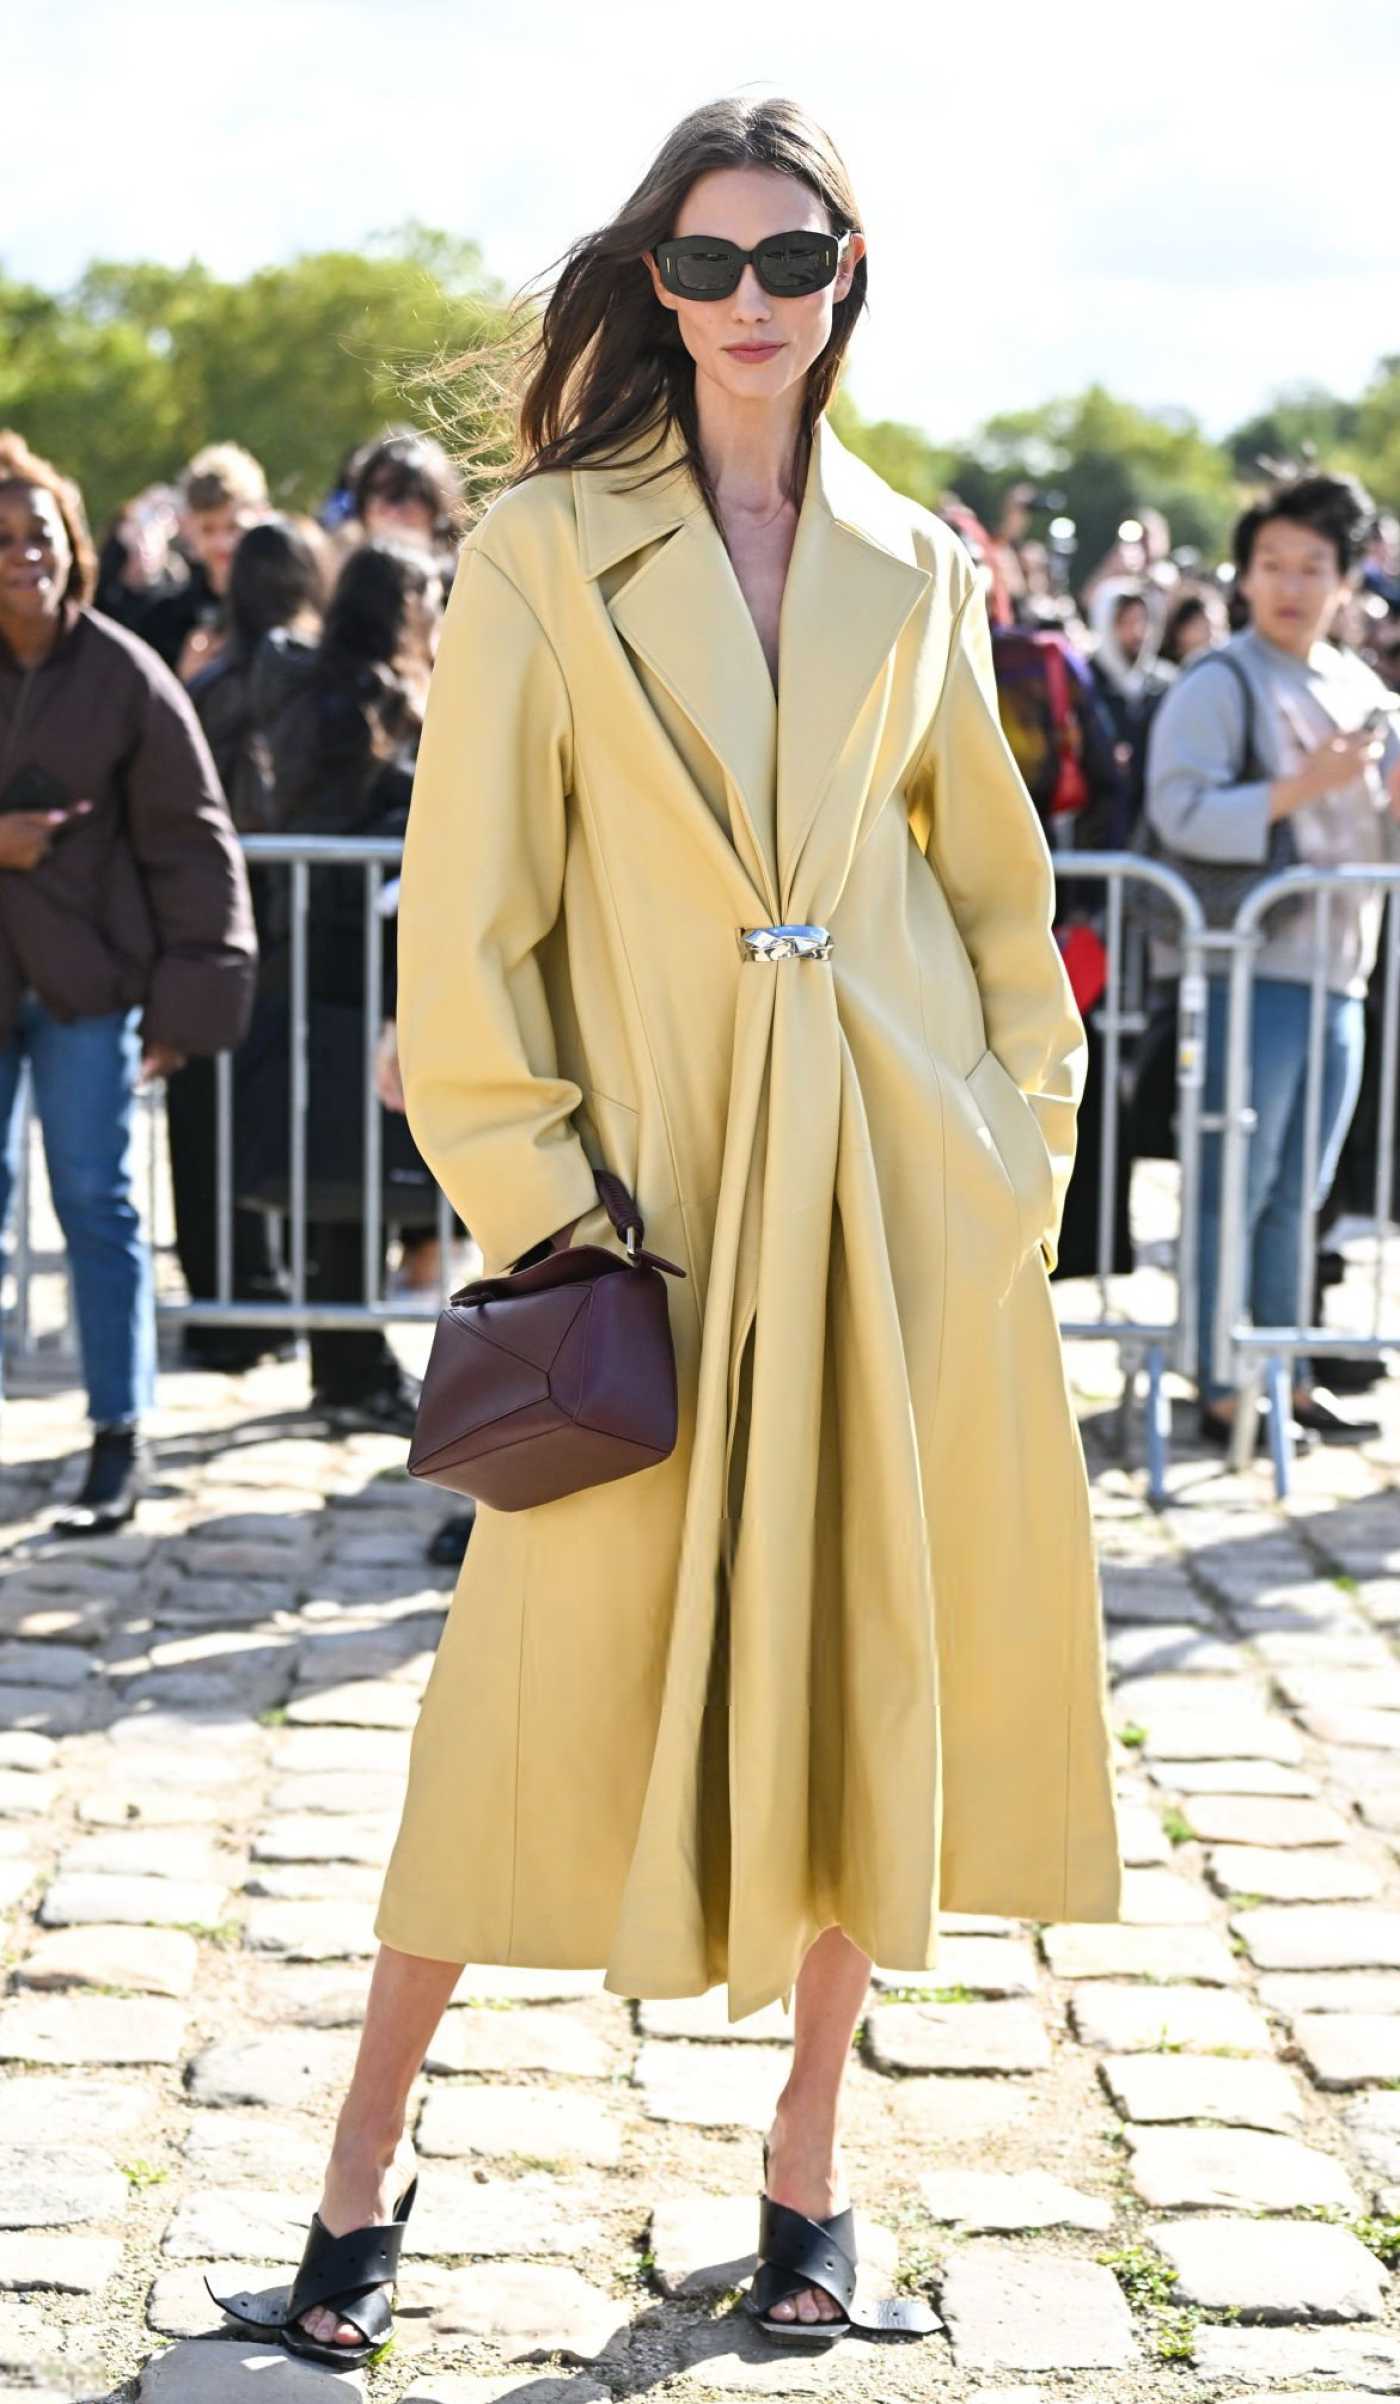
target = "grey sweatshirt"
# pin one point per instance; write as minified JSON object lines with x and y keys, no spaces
{"x":1195,"y":803}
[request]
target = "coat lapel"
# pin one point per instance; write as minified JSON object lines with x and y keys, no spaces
{"x":847,"y":598}
{"x":846,"y":602}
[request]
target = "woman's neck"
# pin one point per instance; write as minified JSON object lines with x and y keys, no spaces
{"x":749,"y":450}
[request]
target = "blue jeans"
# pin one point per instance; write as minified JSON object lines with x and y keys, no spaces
{"x":1278,"y":1048}
{"x":84,"y":1082}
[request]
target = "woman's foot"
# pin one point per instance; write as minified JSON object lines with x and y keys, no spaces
{"x":805,"y":2173}
{"x":363,"y":2184}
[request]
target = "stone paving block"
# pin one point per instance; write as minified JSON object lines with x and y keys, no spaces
{"x":460,"y":2212}
{"x":462,"y":2387}
{"x":257,"y":2149}
{"x":1272,"y":2270}
{"x":1182,"y":2086}
{"x":1370,"y":2356}
{"x":88,"y":1897}
{"x":179,"y":2304}
{"x":1320,"y":1936}
{"x":319,"y":1882}
{"x":1162,"y":1899}
{"x":1274,"y":1821}
{"x":1184,"y":1735}
{"x":1200,"y":2169}
{"x":45,"y":2186}
{"x":1146,"y":1651}
{"x":1125,"y":2019}
{"x":153,"y":1807}
{"x":1142,"y":1840}
{"x":44,"y":2108}
{"x":1335,"y":1726}
{"x":702,"y":2018}
{"x":1021,"y":2199}
{"x":709,"y":2086}
{"x":1349,"y":2049}
{"x":536,"y":2123}
{"x":220,"y":2370}
{"x":529,"y":2309}
{"x":364,"y":1703}
{"x":311,"y":1932}
{"x":309,"y":1994}
{"x":17,"y":1875}
{"x":321,"y":1752}
{"x":324,"y":1836}
{"x":958,"y":2036}
{"x":26,"y":1749}
{"x":187,"y":1748}
{"x":1010,"y":2307}
{"x":1373,"y":2123}
{"x":1313,"y":1874}
{"x":25,"y":1795}
{"x":44,"y":1664}
{"x":1292,"y":1991}
{"x":503,"y":1982}
{"x":931,"y":2113}
{"x":50,"y":2030}
{"x":1307,"y":1687}
{"x":1380,"y":1808}
{"x":47,"y":1710}
{"x":534,"y":2037}
{"x":250,"y":2224}
{"x":983,"y":1964}
{"x":1094,"y":1949}
{"x":66,"y":2265}
{"x":187,"y":1854}
{"x":140,"y":1961}
{"x":296,"y":2068}
{"x":344,"y":1794}
{"x":1209,"y":1777}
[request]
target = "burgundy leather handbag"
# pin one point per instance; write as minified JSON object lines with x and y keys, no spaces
{"x":557,"y":1375}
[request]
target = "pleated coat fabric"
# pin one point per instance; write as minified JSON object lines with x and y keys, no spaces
{"x":860,"y":1162}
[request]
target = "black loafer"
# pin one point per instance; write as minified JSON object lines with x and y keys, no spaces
{"x":1322,"y":1419}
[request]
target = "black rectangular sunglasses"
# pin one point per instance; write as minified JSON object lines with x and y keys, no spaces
{"x":707,"y":267}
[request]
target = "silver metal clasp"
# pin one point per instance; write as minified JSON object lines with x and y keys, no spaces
{"x":785,"y":943}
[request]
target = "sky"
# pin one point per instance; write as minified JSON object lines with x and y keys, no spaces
{"x":1192,"y":203}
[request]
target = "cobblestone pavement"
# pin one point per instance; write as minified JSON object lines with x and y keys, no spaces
{"x":1159,"y":2158}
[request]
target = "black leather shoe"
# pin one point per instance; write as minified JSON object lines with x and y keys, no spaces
{"x":116,"y":1480}
{"x":447,"y":1547}
{"x":1318,"y":1416}
{"x":391,"y":1407}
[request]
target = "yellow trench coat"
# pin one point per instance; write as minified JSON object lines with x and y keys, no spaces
{"x":861,"y":1163}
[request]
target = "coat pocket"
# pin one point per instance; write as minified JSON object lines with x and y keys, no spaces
{"x":1019,"y":1145}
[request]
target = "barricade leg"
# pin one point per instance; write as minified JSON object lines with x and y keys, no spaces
{"x":1158,"y":1426}
{"x":1280,"y":1390}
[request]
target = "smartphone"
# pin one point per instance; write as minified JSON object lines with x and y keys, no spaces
{"x":33,"y":788}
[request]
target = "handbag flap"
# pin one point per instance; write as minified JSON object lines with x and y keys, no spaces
{"x":489,"y":1361}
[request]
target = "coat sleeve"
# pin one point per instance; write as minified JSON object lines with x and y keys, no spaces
{"x":483,"y":878}
{"x":983,"y":839}
{"x":200,"y":991}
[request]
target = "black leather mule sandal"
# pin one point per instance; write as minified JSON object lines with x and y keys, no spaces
{"x":352,"y":2276}
{"x":794,"y":2252}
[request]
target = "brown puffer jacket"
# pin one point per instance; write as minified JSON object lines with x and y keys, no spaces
{"x":145,"y":899}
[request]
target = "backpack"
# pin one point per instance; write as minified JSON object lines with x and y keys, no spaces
{"x":1038,"y":717}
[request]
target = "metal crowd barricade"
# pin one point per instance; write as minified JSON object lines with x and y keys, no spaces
{"x":1244,"y":1354}
{"x":1168,"y":1342}
{"x":1145,"y":1344}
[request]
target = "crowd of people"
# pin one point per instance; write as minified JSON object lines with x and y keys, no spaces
{"x":222,"y":669}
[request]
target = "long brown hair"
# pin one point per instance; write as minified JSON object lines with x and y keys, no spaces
{"x":605,"y":365}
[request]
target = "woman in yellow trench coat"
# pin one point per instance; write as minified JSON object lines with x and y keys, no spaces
{"x":754,"y":1715}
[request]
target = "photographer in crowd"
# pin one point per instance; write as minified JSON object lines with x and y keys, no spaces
{"x":126,"y":932}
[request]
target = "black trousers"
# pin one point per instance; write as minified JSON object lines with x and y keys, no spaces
{"x":346,"y":1363}
{"x":189,"y":1116}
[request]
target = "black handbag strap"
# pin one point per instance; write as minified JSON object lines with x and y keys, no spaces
{"x":620,"y":1206}
{"x":1252,"y":770}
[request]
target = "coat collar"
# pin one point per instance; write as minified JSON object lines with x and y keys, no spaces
{"x":851,"y":586}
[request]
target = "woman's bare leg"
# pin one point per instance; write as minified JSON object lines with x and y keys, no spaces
{"x":369,"y":2168}
{"x":804,"y":2170}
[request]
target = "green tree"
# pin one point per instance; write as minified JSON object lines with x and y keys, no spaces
{"x":121,"y":379}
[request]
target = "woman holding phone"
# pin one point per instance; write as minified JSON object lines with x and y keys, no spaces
{"x":719,"y":874}
{"x":126,"y":936}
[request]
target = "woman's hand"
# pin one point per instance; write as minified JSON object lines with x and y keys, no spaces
{"x":159,"y":1060}
{"x":25,"y":836}
{"x":388,"y":1078}
{"x":1330,"y":768}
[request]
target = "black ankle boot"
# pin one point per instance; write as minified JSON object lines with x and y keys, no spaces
{"x":115,"y":1482}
